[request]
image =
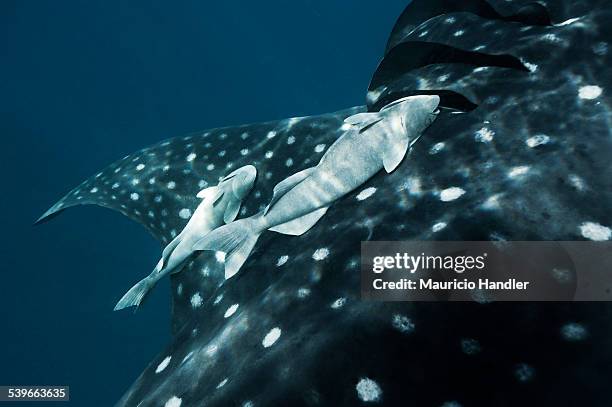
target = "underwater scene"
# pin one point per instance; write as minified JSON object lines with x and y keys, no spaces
{"x":263,"y":146}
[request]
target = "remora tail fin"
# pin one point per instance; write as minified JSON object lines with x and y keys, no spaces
{"x":136,"y":294}
{"x":235,"y":239}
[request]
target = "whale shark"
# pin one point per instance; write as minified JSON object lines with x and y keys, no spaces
{"x":220,"y":204}
{"x":529,"y":160}
{"x":372,"y":142}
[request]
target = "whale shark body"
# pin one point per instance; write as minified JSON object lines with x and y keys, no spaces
{"x":529,"y":160}
{"x":372,"y":142}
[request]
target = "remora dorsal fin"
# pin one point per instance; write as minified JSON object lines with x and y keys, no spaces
{"x":363,"y":120}
{"x":300,"y":225}
{"x":285,"y":185}
{"x":211,"y":193}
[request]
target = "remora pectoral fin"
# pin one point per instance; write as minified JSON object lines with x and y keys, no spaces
{"x":231,"y":212}
{"x":394,"y":153}
{"x":301,"y":225}
{"x":285,"y":185}
{"x":363,"y":120}
{"x":211,"y":193}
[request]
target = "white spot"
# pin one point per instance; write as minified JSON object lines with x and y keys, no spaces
{"x":220,"y":256}
{"x":271,"y":337}
{"x":438,"y":227}
{"x":568,"y":22}
{"x":191,"y":157}
{"x":289,"y":162}
{"x":211,"y":350}
{"x":320,"y":254}
{"x":171,"y":185}
{"x":173,"y":402}
{"x":218,"y":299}
{"x":158,"y":198}
{"x":589,"y":92}
{"x":450,"y":194}
{"x":373,"y":95}
{"x":231,"y":311}
{"x":290,"y":140}
{"x":574,"y":332}
{"x":537,"y":140}
{"x":282,"y":260}
{"x":524,"y":372}
{"x":492,"y":202}
{"x":413,"y":186}
{"x":271,"y":134}
{"x":140,"y":167}
{"x":518,"y":171}
{"x":484,"y":135}
{"x":185,"y":213}
{"x":595,"y":231}
{"x":179,"y":289}
{"x":210,"y":167}
{"x":269,"y":154}
{"x":531,"y":66}
{"x":187,"y":357}
{"x":443,"y":78}
{"x":135,"y":181}
{"x":458,"y":33}
{"x":115,"y":185}
{"x":368,"y":390}
{"x":402,"y":323}
{"x":366,"y":193}
{"x":303,"y":292}
{"x":93,"y":190}
{"x":577,"y":182}
{"x":222,"y":383}
{"x":319,"y":148}
{"x":196,"y":300}
{"x":164,"y":364}
{"x":339,"y":303}
{"x":601,"y":48}
{"x":134,"y":196}
{"x":436,"y":148}
{"x":244,"y":151}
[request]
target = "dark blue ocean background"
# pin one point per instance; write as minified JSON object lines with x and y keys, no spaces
{"x":84,"y":83}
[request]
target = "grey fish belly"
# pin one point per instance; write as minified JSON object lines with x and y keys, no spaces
{"x":330,"y":181}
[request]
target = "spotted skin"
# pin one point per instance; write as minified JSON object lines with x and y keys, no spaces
{"x":474,"y":176}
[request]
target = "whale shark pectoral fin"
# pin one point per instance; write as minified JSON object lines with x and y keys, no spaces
{"x":363,"y":120}
{"x":394,"y":153}
{"x":285,"y":185}
{"x":231,"y":212}
{"x":301,"y":225}
{"x":211,"y":193}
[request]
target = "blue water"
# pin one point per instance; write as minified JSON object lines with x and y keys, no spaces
{"x":84,"y":83}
